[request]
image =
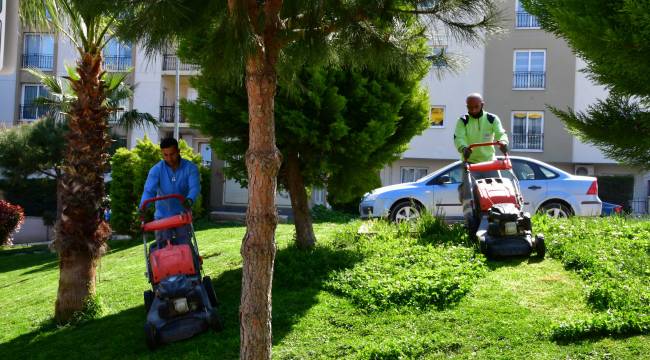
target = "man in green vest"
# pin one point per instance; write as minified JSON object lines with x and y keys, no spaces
{"x":478,"y":126}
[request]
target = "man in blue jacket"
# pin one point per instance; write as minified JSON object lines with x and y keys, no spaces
{"x":172,"y":175}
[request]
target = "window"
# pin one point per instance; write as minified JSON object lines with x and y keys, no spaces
{"x":410,"y":174}
{"x":437,"y":116}
{"x":38,"y":51}
{"x":122,"y":107}
{"x":438,"y":54}
{"x":526,"y":170}
{"x":524,"y":20}
{"x":206,"y":153}
{"x":29,"y":111}
{"x":527,"y":130}
{"x":529,"y":69}
{"x":117,"y":56}
{"x":455,"y":175}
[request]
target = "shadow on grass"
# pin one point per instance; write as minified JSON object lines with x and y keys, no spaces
{"x":297,"y":280}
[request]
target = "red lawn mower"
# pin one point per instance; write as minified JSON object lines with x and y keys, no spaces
{"x":493,"y":209}
{"x":182,"y":302}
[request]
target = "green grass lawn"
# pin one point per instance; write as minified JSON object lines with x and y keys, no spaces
{"x":321,"y":308}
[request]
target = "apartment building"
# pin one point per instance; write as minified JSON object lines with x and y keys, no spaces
{"x":519,"y":74}
{"x":160,"y":80}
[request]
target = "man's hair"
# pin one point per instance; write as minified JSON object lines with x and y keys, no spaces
{"x":474,"y":96}
{"x":168,"y":142}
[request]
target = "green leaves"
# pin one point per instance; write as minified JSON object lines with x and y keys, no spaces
{"x":414,"y":265}
{"x":613,"y":256}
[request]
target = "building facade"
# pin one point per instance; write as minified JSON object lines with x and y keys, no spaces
{"x":519,"y":74}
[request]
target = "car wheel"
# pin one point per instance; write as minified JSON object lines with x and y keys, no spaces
{"x":555,"y":210}
{"x":405,"y":211}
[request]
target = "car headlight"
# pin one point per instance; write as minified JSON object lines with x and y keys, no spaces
{"x":369,"y":196}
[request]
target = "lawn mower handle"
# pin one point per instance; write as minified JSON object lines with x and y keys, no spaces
{"x":146,"y":203}
{"x":493,"y":143}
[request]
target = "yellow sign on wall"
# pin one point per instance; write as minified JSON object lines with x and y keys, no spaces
{"x":437,"y":116}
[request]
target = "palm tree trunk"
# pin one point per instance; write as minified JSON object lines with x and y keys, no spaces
{"x":305,"y":237}
{"x":81,"y":232}
{"x":258,"y":246}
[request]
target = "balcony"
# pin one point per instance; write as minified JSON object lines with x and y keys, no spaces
{"x":529,"y":80}
{"x":33,"y":112}
{"x":526,"y":21}
{"x":115,"y":116}
{"x":170,"y":61}
{"x":39,"y":61}
{"x":117,"y":63}
{"x":527,"y":142}
{"x":167,"y":115}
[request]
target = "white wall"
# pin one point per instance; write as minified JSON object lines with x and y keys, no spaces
{"x":450,"y":91}
{"x":9,"y":65}
{"x":147,"y":79}
{"x":66,"y":55}
{"x":587,"y":93}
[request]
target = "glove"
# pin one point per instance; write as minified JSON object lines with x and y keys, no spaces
{"x":466,"y":152}
{"x":187,"y":203}
{"x":503,"y":146}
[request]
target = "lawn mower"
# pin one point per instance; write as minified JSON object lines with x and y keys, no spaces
{"x":493,"y":209}
{"x":181,"y":302}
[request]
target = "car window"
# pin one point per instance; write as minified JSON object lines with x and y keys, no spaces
{"x":547,"y":173}
{"x":524,"y":170}
{"x":455,"y":175}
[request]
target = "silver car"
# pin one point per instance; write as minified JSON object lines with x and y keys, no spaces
{"x":545,"y":189}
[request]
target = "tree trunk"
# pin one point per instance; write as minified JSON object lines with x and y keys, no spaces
{"x":81,"y":231}
{"x":305,"y":238}
{"x":258,"y":246}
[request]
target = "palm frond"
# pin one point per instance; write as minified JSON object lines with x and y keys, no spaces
{"x":133,"y":118}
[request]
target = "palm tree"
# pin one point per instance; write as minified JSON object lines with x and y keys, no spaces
{"x":81,"y":231}
{"x":265,"y":39}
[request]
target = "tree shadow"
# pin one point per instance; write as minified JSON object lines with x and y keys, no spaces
{"x":298,"y":278}
{"x":15,"y":260}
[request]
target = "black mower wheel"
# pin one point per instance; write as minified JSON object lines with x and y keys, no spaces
{"x":540,"y":246}
{"x":151,"y":336}
{"x":216,"y":321}
{"x":148,"y":300}
{"x":207,"y":285}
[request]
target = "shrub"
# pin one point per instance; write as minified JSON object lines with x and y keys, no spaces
{"x":612,"y":255}
{"x":401,"y":269}
{"x":320,"y":213}
{"x":11,"y":218}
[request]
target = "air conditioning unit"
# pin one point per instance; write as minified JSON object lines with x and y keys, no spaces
{"x":584,"y":170}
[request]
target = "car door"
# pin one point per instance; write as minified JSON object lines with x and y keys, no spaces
{"x":445,"y":194}
{"x":532,"y":182}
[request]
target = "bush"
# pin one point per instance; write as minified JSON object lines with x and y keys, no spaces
{"x":11,"y":218}
{"x":402,"y":269}
{"x":320,"y":213}
{"x":129,"y":172}
{"x":613,"y":256}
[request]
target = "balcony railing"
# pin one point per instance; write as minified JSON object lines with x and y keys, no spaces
{"x":115,"y":116}
{"x":117,"y":63}
{"x":33,"y":112}
{"x":39,"y":61}
{"x":167,"y":115}
{"x":526,"y":21}
{"x":170,"y":61}
{"x":527,"y":142}
{"x":529,"y":80}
